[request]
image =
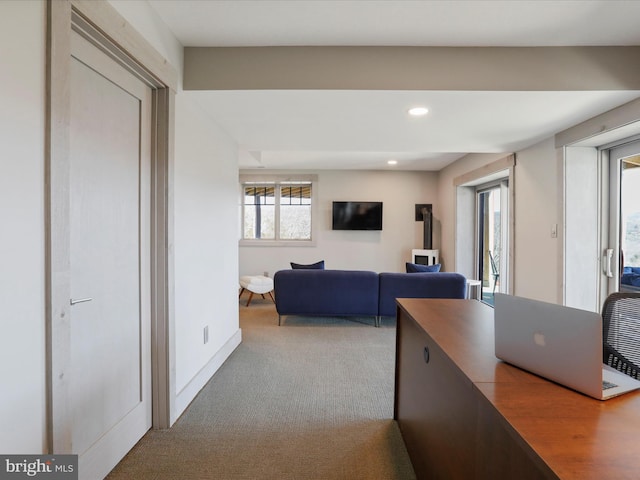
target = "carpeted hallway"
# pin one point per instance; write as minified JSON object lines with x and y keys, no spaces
{"x":312,"y":399}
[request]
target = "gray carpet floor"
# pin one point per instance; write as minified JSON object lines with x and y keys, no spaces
{"x":312,"y":399}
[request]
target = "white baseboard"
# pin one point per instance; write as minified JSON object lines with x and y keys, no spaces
{"x":189,"y":392}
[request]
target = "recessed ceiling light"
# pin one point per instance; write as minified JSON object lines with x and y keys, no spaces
{"x":392,"y":162}
{"x":418,"y":111}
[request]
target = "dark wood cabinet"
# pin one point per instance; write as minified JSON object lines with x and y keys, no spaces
{"x":437,"y":410}
{"x":466,"y":415}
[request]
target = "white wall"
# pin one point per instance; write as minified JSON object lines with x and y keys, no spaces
{"x":22,"y":325}
{"x":538,"y":197}
{"x":206,"y":248}
{"x":380,"y":251}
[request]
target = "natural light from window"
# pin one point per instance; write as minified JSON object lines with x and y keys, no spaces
{"x":277,"y":211}
{"x":630,"y":209}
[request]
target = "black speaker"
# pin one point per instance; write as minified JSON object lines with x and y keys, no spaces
{"x":424,"y":214}
{"x":427,"y":239}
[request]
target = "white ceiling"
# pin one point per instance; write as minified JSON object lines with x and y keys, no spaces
{"x":363,"y":129}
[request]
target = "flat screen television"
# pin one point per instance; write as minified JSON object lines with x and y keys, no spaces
{"x":357,"y":216}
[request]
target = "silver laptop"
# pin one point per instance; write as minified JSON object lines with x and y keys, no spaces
{"x":559,"y":343}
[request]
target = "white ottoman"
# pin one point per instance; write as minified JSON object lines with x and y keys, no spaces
{"x":256,"y":284}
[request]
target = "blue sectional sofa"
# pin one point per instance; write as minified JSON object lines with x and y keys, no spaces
{"x":338,"y":293}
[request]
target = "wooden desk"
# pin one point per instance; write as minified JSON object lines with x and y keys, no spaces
{"x":464,"y":414}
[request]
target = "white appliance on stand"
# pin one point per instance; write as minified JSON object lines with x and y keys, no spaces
{"x":425,"y":257}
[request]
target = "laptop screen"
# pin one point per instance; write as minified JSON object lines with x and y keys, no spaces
{"x":559,"y":343}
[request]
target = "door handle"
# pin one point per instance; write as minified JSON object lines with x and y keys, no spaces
{"x":607,"y":262}
{"x":80,"y":300}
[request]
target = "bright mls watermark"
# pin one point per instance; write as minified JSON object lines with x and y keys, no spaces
{"x":51,"y":467}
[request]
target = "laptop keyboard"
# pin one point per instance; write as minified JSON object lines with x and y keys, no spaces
{"x":607,"y":385}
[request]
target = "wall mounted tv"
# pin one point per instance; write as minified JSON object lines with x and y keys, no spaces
{"x":357,"y":215}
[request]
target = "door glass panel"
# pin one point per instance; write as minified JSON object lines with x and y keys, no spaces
{"x":630,"y":223}
{"x":490,"y":236}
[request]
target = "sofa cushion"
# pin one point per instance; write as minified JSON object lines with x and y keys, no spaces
{"x":418,"y":268}
{"x":313,"y":266}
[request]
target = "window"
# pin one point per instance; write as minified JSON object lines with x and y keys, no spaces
{"x":295,"y":212}
{"x":277,"y":210}
{"x":259,"y":212}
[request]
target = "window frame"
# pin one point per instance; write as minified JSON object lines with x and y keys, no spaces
{"x":278,"y":181}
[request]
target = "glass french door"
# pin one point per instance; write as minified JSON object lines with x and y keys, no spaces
{"x":491,"y":240}
{"x":621,"y":257}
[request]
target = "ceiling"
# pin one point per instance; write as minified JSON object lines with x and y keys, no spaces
{"x":312,"y":129}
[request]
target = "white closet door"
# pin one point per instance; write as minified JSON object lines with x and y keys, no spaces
{"x":110,"y":381}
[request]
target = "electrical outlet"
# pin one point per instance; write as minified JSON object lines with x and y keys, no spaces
{"x":206,"y":334}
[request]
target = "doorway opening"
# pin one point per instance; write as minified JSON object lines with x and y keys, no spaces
{"x":484,"y":223}
{"x":491,"y":238}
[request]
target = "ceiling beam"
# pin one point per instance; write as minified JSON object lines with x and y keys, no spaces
{"x":412,"y":68}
